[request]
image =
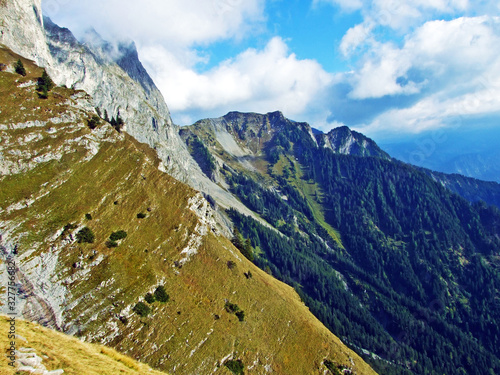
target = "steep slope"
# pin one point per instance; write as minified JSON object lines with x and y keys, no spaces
{"x":415,"y":266}
{"x":116,"y":81}
{"x":41,"y":349}
{"x":60,"y":177}
{"x":472,"y":189}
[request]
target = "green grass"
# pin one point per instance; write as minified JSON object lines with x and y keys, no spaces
{"x":180,"y":336}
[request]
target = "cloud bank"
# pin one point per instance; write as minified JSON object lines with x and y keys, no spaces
{"x":414,"y":65}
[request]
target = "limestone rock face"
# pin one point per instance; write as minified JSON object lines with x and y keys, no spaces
{"x":345,"y":141}
{"x":116,"y":81}
{"x":21,"y":29}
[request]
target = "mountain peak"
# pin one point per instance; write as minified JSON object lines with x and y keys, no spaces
{"x":344,"y":140}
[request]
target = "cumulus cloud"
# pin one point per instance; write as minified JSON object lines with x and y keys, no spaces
{"x":170,"y":36}
{"x":172,"y":22}
{"x":255,"y":80}
{"x":460,"y":66}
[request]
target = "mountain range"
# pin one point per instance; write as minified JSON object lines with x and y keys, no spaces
{"x":246,"y":243}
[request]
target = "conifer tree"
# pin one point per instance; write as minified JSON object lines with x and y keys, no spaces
{"x":19,"y":68}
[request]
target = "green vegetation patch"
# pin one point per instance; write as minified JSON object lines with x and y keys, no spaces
{"x":85,"y":235}
{"x":235,"y":366}
{"x":119,"y":235}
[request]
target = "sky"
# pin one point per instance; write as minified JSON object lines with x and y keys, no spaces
{"x":387,"y":68}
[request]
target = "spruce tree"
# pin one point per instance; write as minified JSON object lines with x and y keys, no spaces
{"x":19,"y":68}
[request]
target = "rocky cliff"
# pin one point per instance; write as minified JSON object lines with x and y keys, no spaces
{"x":345,"y":141}
{"x":67,"y":188}
{"x":116,"y":81}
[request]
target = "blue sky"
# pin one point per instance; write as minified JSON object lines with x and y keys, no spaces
{"x":388,"y":68}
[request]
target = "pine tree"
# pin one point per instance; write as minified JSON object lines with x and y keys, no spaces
{"x":237,"y":239}
{"x":45,"y":84}
{"x":19,"y":68}
{"x":247,"y":250}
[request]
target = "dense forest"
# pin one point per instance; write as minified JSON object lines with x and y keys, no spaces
{"x":415,"y":279}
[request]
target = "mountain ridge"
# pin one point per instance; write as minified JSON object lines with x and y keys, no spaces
{"x":385,"y":237}
{"x":64,"y":175}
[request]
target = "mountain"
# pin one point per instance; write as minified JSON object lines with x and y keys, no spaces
{"x":111,"y":249}
{"x":470,"y":150}
{"x":117,"y":84}
{"x":392,"y":261}
{"x":48,"y":352}
{"x":472,"y":189}
{"x":343,"y":140}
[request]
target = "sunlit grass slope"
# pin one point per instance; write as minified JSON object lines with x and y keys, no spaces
{"x":60,"y":351}
{"x":102,"y":180}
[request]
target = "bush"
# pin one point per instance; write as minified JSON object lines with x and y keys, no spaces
{"x":241,"y":315}
{"x":85,"y":235}
{"x":142,"y":309}
{"x":115,"y":236}
{"x":161,"y":295}
{"x":236,"y":367}
{"x":141,"y":215}
{"x":93,"y":122}
{"x":231,"y":264}
{"x":19,"y":68}
{"x":149,"y":298}
{"x":231,"y":307}
{"x":88,"y":216}
{"x":109,"y":244}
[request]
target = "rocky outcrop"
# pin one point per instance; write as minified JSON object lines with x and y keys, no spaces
{"x":116,"y":81}
{"x":345,"y":141}
{"x":21,"y":29}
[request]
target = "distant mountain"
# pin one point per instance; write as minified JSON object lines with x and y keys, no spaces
{"x":111,"y":249}
{"x":472,"y":189}
{"x":384,"y":253}
{"x":471,"y":151}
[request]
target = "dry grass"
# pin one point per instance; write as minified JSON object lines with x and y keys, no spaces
{"x":60,"y":351}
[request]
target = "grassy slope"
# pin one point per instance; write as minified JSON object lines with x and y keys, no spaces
{"x":60,"y":351}
{"x":183,"y":336}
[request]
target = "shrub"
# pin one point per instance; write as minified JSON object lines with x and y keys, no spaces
{"x":236,"y":367}
{"x":240,"y":315}
{"x":88,"y":216}
{"x":142,"y":309}
{"x":161,"y":295}
{"x":149,"y":298}
{"x":231,"y":264}
{"x":141,"y":215}
{"x":69,"y":226}
{"x":336,"y":370}
{"x":85,"y":235}
{"x":231,"y":307}
{"x":109,"y":244}
{"x":93,"y":122}
{"x":119,"y":235}
{"x":19,"y":68}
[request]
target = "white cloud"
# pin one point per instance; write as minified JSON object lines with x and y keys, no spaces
{"x":168,"y":22}
{"x":460,"y":63}
{"x":255,"y":80}
{"x":447,"y":51}
{"x":346,"y":5}
{"x":355,"y":37}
